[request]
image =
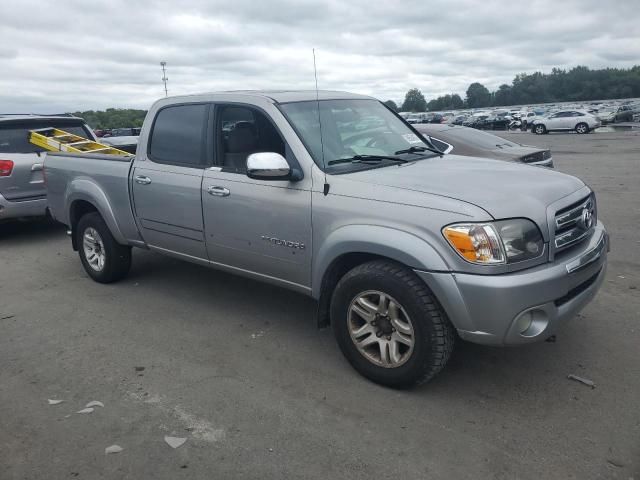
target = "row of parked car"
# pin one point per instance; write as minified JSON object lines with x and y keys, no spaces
{"x":524,"y":118}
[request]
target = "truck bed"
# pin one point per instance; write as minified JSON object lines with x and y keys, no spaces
{"x":102,"y":180}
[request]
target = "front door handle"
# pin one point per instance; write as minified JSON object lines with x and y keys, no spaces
{"x":218,"y":191}
{"x":142,"y":180}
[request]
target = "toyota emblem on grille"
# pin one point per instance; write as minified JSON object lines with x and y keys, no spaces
{"x":586,"y":219}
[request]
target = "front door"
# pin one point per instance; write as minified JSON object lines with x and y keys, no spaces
{"x":257,"y":226}
{"x":167,"y":181}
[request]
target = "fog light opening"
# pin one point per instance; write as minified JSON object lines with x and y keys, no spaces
{"x":532,"y":323}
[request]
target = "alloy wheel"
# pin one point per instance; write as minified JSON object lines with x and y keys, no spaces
{"x":381,"y":329}
{"x":93,"y":248}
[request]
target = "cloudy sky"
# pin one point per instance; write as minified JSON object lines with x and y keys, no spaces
{"x":75,"y":55}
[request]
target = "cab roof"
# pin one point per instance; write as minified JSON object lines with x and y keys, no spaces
{"x":287,"y":96}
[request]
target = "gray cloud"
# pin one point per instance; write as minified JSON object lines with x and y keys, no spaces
{"x":81,"y":56}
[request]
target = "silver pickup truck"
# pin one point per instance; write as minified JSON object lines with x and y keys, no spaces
{"x":337,"y":197}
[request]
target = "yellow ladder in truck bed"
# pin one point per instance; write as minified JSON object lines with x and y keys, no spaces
{"x":56,"y":140}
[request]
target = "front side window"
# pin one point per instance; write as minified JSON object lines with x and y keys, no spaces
{"x":351,"y":128}
{"x":242,"y":131}
{"x":177,"y":137}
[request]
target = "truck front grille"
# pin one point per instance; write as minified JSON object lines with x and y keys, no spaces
{"x":574,"y":223}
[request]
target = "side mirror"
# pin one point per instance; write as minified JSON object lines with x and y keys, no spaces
{"x":268,"y":166}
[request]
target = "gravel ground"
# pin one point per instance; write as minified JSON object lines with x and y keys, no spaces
{"x":239,"y":369}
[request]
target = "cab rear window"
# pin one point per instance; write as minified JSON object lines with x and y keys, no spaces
{"x":15,"y":138}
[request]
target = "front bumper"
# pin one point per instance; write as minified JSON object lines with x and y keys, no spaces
{"x":24,"y":208}
{"x":526,"y":306}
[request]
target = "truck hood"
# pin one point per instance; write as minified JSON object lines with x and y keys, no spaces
{"x":502,"y":189}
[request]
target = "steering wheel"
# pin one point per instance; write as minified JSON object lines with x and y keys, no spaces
{"x":379,"y":140}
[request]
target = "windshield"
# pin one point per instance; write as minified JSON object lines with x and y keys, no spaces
{"x":351,"y":128}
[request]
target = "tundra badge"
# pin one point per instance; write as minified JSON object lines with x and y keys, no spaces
{"x":284,"y":243}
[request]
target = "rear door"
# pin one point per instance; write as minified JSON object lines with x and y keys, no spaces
{"x":167,"y":179}
{"x":26,"y":182}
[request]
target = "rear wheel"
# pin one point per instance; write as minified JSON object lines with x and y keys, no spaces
{"x":104,"y":259}
{"x":539,"y":129}
{"x":582,"y":128}
{"x":389,"y":326}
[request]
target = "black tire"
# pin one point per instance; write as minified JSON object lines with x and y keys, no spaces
{"x":117,"y":258}
{"x":582,"y":128}
{"x":539,"y":129}
{"x":432,"y":332}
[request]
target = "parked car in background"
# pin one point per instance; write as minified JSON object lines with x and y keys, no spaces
{"x":494,"y":122}
{"x":470,"y":142}
{"x":422,"y":117}
{"x":475,"y":120}
{"x":622,"y":113}
{"x":123,"y":132}
{"x":409,"y":249}
{"x":459,"y":119}
{"x":527,"y":118}
{"x":127,"y":143}
{"x":435,"y":118}
{"x":566,"y":120}
{"x":22,"y":189}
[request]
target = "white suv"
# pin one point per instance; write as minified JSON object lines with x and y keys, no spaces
{"x":580,"y":122}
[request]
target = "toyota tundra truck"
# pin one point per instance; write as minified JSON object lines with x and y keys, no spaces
{"x":335,"y":196}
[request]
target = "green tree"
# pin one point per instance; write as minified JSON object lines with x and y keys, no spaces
{"x":414,"y":101}
{"x":392,"y":105}
{"x":502,"y":96}
{"x":478,"y":96}
{"x":113,"y":118}
{"x":456,"y":102}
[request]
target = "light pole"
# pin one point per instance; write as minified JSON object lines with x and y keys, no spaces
{"x":164,"y":77}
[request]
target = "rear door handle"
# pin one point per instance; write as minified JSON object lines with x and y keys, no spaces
{"x":218,"y":191}
{"x":142,"y":180}
{"x":37,"y":167}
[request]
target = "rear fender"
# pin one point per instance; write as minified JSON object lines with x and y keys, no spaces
{"x":87,"y":190}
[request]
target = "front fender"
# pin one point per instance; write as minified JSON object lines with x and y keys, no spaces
{"x":84,"y":188}
{"x":403,"y":247}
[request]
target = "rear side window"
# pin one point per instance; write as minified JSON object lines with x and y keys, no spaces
{"x":15,"y":138}
{"x":177,"y":137}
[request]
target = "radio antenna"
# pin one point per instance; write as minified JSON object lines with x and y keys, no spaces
{"x":324,"y":167}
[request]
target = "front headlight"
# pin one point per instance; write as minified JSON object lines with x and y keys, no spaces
{"x":495,"y":243}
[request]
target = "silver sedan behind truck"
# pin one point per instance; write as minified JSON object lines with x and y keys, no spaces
{"x":339,"y":198}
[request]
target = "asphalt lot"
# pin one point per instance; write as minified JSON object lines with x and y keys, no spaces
{"x":239,"y":369}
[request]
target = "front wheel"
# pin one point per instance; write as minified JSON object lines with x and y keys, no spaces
{"x":389,"y":326}
{"x":582,"y":128}
{"x":539,"y":129}
{"x":104,"y":259}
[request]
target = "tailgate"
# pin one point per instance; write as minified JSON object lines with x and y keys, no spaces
{"x":26,"y":181}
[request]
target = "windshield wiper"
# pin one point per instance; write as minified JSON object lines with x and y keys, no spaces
{"x":418,"y":149}
{"x":367,"y":159}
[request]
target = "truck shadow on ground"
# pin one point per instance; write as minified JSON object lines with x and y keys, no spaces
{"x":30,"y":231}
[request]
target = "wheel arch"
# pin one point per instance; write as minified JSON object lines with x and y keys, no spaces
{"x":345,"y":249}
{"x":84,"y":197}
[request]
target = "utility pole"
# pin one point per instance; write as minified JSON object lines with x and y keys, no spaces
{"x":164,"y":77}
